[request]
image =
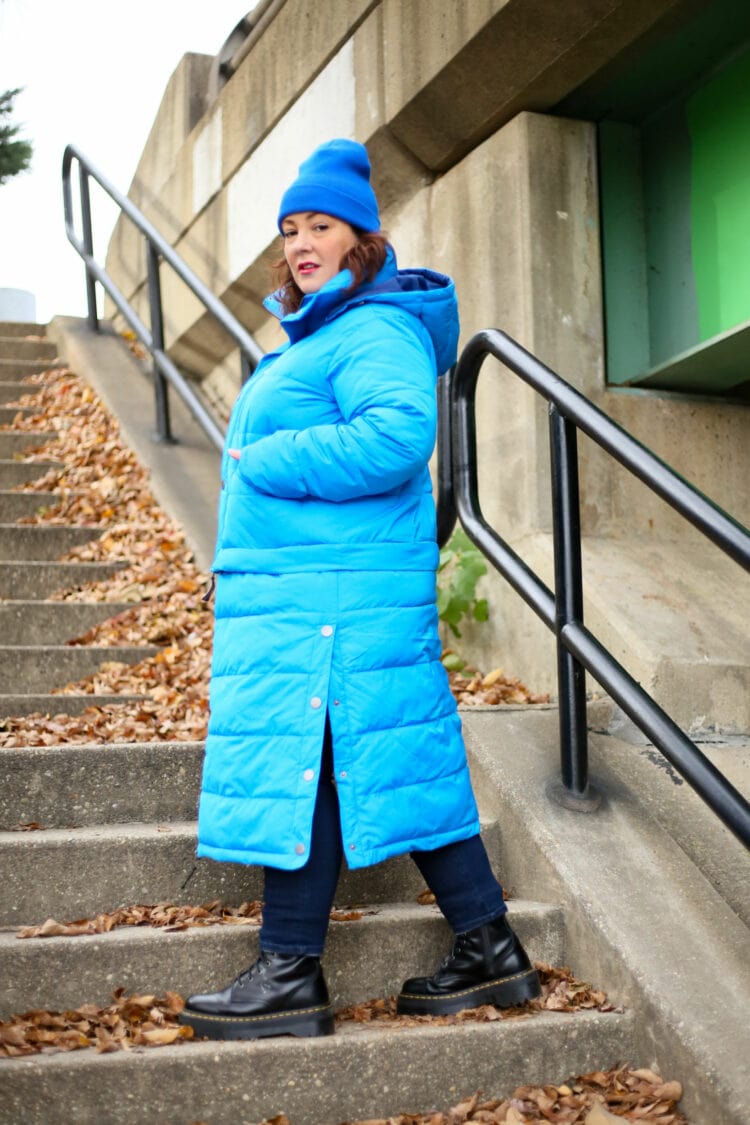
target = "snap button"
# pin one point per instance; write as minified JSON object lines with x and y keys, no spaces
{"x":315,"y":702}
{"x":309,"y":775}
{"x":300,"y":849}
{"x":352,"y":847}
{"x":327,"y":630}
{"x":335,"y":703}
{"x":342,"y":774}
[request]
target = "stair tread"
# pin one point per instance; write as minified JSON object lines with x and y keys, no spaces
{"x":375,"y":1071}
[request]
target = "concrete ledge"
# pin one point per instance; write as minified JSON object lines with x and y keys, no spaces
{"x":38,"y":543}
{"x":29,"y":581}
{"x":77,"y":872}
{"x":376,"y":1073}
{"x":640,"y":916}
{"x":13,"y":443}
{"x":364,"y":958}
{"x":36,"y":668}
{"x":13,"y":473}
{"x":18,"y":505}
{"x":87,"y":785}
{"x":54,"y":623}
{"x":12,"y":706}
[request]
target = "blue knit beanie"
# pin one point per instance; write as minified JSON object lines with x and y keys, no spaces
{"x":335,"y":180}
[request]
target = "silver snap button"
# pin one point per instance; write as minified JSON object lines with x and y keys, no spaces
{"x":327,"y":630}
{"x":352,"y":847}
{"x":342,"y":774}
{"x":309,"y":775}
{"x":315,"y":702}
{"x":300,"y":849}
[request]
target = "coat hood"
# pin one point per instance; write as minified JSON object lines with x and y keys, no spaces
{"x":425,"y":294}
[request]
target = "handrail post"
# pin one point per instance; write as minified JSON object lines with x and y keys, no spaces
{"x":88,"y":245}
{"x":575,"y":791}
{"x":446,"y":500}
{"x":161,"y":390}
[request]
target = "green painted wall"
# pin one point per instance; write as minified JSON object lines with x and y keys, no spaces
{"x":719,"y":121}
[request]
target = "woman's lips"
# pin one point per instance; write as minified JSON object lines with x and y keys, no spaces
{"x":305,"y":268}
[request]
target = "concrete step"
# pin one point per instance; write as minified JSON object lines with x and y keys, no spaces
{"x":8,"y":414}
{"x":19,"y":347}
{"x":77,"y":872}
{"x":14,"y":370}
{"x":364,"y":958}
{"x":89,"y":785}
{"x":30,"y":581}
{"x":18,"y":505}
{"x":22,"y":328}
{"x":11,"y":389}
{"x":13,"y":473}
{"x":40,"y":543}
{"x":54,"y":623}
{"x":11,"y":444}
{"x":13,"y":706}
{"x":36,"y":668}
{"x":359,"y":1073}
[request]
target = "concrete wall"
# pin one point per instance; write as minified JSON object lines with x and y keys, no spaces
{"x":475,"y":179}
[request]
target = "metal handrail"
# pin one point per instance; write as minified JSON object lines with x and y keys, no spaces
{"x":562,"y":611}
{"x":158,"y":250}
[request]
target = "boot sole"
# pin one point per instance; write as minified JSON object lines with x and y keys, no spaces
{"x":304,"y":1023}
{"x":506,"y":992}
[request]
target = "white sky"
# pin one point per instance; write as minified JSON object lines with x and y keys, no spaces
{"x":93,"y":73}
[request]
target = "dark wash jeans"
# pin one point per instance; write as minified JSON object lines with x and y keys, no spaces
{"x":297,"y":903}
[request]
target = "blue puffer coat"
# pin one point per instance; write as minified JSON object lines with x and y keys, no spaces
{"x":325,"y":595}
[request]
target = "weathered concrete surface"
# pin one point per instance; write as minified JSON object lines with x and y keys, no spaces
{"x":366,"y":957}
{"x":76,"y":872}
{"x":640,"y":915}
{"x":17,"y":505}
{"x":46,"y":703}
{"x":11,"y":444}
{"x":42,"y":667}
{"x":185,"y":477}
{"x":357,"y":1073}
{"x":13,"y":473}
{"x":18,"y":347}
{"x":41,"y":543}
{"x":54,"y":623}
{"x":29,"y":580}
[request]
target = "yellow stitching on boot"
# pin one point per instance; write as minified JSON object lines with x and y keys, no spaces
{"x":256,"y":1019}
{"x":468,"y":991}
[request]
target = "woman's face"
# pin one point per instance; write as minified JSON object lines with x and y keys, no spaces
{"x":314,"y":245}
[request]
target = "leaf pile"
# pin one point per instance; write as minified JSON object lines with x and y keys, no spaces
{"x":129,"y":1021}
{"x":598,"y":1098}
{"x":561,"y":992}
{"x":163,"y":916}
{"x":472,"y":689}
{"x":167,"y":916}
{"x":101,"y":484}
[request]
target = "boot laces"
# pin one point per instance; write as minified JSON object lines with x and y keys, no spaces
{"x":258,"y":966}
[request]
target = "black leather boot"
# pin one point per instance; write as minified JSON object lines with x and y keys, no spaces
{"x":280,"y":994}
{"x":487,"y":965}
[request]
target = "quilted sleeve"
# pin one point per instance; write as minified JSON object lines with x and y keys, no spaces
{"x":383,"y":378}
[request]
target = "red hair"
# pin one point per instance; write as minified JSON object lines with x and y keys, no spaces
{"x":365,"y":260}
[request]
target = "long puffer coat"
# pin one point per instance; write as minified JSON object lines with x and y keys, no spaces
{"x":325,"y":593}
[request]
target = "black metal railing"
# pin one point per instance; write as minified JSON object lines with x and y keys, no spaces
{"x":562,"y":611}
{"x":158,"y":250}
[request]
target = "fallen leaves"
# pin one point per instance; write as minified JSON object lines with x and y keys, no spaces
{"x":599,"y":1098}
{"x":129,"y":1021}
{"x":561,"y":992}
{"x":168,"y":916}
{"x":472,"y":689}
{"x":163,"y":916}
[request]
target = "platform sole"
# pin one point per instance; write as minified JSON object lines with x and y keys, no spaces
{"x":505,"y":992}
{"x":302,"y":1022}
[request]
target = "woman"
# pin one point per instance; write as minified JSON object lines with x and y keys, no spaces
{"x":333,"y":730}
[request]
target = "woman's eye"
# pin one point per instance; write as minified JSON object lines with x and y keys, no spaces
{"x":320,"y":226}
{"x":288,"y":233}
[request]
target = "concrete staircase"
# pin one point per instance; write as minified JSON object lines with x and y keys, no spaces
{"x":626,"y":896}
{"x":35,"y":657}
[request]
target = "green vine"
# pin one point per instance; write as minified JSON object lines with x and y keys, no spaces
{"x":460,"y":568}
